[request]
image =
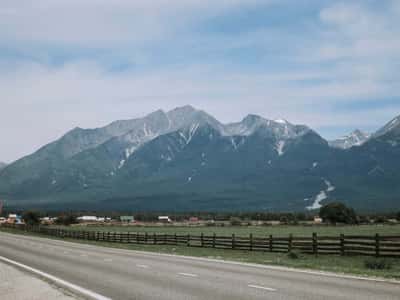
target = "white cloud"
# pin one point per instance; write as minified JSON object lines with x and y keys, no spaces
{"x":350,"y":57}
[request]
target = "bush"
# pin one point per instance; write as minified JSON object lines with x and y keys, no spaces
{"x":31,"y":218}
{"x":293,"y":255}
{"x":66,"y":220}
{"x":377,"y":264}
{"x":337,"y":212}
{"x":235,"y":221}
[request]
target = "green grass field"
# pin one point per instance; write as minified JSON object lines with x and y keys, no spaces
{"x":332,"y":263}
{"x":280,"y":230}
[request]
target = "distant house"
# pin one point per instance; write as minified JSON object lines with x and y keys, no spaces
{"x":47,"y":220}
{"x":14,"y":219}
{"x":164,"y":219}
{"x":127,"y":219}
{"x":318,"y":220}
{"x":193,"y":219}
{"x":87,"y":219}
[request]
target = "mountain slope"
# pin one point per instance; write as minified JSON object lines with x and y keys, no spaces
{"x":185,"y":159}
{"x":2,"y":165}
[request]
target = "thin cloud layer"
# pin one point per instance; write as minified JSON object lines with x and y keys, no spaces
{"x":331,"y":65}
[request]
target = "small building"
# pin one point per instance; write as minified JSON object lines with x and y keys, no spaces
{"x":47,"y":220}
{"x":14,"y":219}
{"x":318,"y":220}
{"x":87,"y":219}
{"x":193,"y":219}
{"x":127,"y":219}
{"x":164,"y":219}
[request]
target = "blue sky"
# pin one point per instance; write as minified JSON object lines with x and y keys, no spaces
{"x":332,"y":65}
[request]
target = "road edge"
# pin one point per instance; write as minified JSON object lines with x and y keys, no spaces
{"x":86,"y":293}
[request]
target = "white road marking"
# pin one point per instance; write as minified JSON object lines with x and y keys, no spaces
{"x":261,"y":287}
{"x":66,"y":252}
{"x":108,"y":259}
{"x":187,"y":274}
{"x":84,"y":255}
{"x":57,"y":280}
{"x":142,"y":266}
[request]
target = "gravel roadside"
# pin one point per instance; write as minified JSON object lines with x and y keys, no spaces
{"x":19,"y":285}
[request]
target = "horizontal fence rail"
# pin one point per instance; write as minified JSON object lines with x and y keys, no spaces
{"x":376,"y":245}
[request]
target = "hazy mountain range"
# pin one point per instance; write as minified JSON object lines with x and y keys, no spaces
{"x":185,"y":159}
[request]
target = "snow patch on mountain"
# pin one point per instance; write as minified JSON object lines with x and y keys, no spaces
{"x":322,"y":195}
{"x":279,"y":147}
{"x":121,"y":163}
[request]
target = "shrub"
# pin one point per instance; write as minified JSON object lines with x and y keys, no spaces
{"x":31,"y":218}
{"x":337,"y":212}
{"x":66,"y":220}
{"x":235,"y":221}
{"x":377,"y":264}
{"x":293,"y":255}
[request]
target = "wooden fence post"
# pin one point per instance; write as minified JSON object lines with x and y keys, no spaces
{"x":202,"y":239}
{"x":315,"y":243}
{"x":176,"y":239}
{"x":342,"y":244}
{"x":377,"y":245}
{"x":233,"y":241}
{"x":270,"y":243}
{"x":188,"y":240}
{"x":145,"y":237}
{"x":213,"y":240}
{"x":251,"y":241}
{"x":290,"y":243}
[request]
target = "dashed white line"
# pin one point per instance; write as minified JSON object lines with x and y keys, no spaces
{"x":188,"y":274}
{"x":57,"y":280}
{"x":261,"y":287}
{"x":142,"y":266}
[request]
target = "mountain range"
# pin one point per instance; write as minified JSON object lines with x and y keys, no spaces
{"x":185,"y":159}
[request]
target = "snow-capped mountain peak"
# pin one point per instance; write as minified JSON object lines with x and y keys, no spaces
{"x":393,"y":125}
{"x":355,"y":138}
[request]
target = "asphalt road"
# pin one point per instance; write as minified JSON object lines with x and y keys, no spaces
{"x":124,"y":274}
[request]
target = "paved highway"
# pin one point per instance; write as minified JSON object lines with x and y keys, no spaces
{"x":124,"y":274}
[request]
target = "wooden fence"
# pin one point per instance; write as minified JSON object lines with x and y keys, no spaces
{"x":376,"y":245}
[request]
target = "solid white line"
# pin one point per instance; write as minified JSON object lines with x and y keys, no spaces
{"x":261,"y":287}
{"x":57,"y":280}
{"x":187,"y":274}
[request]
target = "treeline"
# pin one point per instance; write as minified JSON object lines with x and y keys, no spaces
{"x":335,"y":212}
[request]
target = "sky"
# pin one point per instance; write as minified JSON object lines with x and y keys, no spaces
{"x":333,"y":65}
